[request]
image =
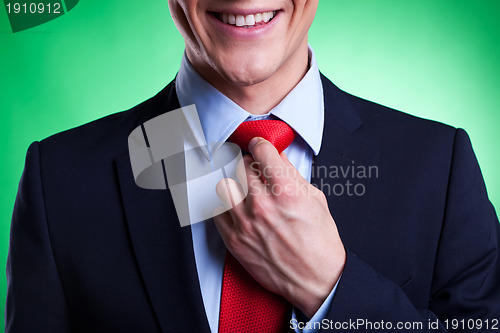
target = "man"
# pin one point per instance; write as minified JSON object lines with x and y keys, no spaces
{"x":416,"y":249}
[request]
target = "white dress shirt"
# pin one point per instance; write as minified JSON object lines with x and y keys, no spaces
{"x":302,"y":109}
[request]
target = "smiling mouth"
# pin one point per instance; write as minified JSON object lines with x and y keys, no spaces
{"x":246,"y":21}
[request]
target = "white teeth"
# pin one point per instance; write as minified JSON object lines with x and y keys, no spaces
{"x":248,"y":20}
{"x":240,"y":20}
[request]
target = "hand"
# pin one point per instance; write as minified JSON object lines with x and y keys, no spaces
{"x":282,"y":232}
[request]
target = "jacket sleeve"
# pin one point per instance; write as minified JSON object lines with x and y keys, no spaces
{"x":35,"y":298}
{"x":465,"y":291}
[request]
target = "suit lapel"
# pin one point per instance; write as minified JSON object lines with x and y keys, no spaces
{"x":163,"y":249}
{"x":338,"y":168}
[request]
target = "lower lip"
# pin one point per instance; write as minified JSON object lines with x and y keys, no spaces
{"x":234,"y":31}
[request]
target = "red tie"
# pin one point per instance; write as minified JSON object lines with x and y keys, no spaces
{"x":245,"y":305}
{"x":275,"y":131}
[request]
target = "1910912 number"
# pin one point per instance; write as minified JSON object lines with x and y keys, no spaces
{"x":471,"y":324}
{"x":33,"y":8}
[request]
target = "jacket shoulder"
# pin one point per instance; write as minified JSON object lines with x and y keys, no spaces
{"x":394,"y":122}
{"x":110,"y":133}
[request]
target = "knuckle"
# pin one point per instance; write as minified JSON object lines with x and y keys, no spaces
{"x":254,"y":167}
{"x":259,"y":207}
{"x":319,"y":195}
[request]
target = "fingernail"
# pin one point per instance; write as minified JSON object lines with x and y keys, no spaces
{"x":253,"y":142}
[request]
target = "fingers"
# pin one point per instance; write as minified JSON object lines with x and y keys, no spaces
{"x":269,"y":160}
{"x":241,"y":174}
{"x":253,"y":175}
{"x":223,"y":222}
{"x":218,"y":211}
{"x":274,"y":168}
{"x":230,"y":193}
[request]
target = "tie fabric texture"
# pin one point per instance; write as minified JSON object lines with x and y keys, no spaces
{"x":275,"y":131}
{"x":247,"y":307}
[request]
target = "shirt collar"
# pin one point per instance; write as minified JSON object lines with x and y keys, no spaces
{"x":219,"y":116}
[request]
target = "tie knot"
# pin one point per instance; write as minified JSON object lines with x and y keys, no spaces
{"x":275,"y":131}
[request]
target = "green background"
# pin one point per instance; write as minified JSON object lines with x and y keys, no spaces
{"x":434,"y":59}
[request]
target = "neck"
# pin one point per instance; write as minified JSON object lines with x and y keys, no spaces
{"x":262,"y":97}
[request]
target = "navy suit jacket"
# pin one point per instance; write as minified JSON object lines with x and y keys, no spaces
{"x":92,"y":252}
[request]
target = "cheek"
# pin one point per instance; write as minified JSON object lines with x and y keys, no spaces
{"x":304,"y":13}
{"x":183,"y":13}
{"x":301,"y":20}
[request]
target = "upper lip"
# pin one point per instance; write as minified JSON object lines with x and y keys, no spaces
{"x":240,"y":11}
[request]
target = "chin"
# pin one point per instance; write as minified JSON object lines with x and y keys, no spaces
{"x":246,"y":72}
{"x":244,"y":80}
